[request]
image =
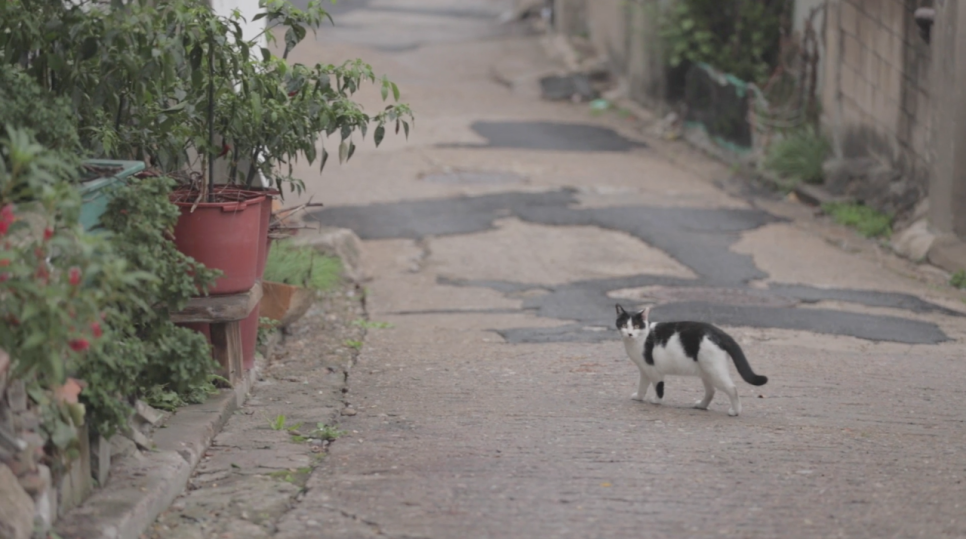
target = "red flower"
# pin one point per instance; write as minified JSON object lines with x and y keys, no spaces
{"x":6,"y":218}
{"x":48,"y":233}
{"x":79,"y":345}
{"x":96,"y":329}
{"x":75,"y":276}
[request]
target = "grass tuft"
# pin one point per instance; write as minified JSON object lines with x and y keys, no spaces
{"x":869,"y":222}
{"x":302,"y":266}
{"x":958,"y":279}
{"x":799,"y":156}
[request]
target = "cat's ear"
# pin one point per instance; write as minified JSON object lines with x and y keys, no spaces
{"x":620,"y":310}
{"x":647,"y":315}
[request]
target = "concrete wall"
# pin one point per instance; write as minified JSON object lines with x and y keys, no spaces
{"x":947,"y":202}
{"x":607,"y":27}
{"x":876,"y":92}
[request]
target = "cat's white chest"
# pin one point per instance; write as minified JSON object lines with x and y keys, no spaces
{"x":635,"y":350}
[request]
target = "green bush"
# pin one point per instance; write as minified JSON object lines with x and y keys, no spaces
{"x":799,"y":156}
{"x":870,"y":222}
{"x":302,"y":266}
{"x":739,"y":37}
{"x":958,"y":279}
{"x":59,"y":287}
{"x":27,"y":106}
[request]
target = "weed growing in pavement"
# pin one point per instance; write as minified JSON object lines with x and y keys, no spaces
{"x":354,"y":344}
{"x":280,"y":423}
{"x":326,"y":432}
{"x":368,"y":324}
{"x":869,"y":222}
{"x":958,"y":280}
{"x":296,"y":476}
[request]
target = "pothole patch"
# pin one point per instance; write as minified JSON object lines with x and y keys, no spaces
{"x":724,"y":296}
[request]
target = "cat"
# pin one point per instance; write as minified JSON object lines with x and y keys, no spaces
{"x":685,"y":349}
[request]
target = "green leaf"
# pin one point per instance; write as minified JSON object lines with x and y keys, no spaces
{"x":89,"y":48}
{"x":385,"y":90}
{"x":63,"y":435}
{"x":178,"y":107}
{"x":379,"y":135}
{"x":34,"y":340}
{"x":343,"y":152}
{"x":406,"y":128}
{"x":325,"y":158}
{"x":395,"y":91}
{"x":352,"y":150}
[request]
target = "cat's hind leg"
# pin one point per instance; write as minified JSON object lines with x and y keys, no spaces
{"x":708,"y":395}
{"x":658,"y":396}
{"x":715,"y":367}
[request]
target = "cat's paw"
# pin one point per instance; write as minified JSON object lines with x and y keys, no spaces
{"x":635,"y":397}
{"x":700,"y":405}
{"x":654,"y":400}
{"x":732,"y":412}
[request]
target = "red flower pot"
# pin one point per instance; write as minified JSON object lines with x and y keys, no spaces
{"x":266,"y":218}
{"x":224,"y":236}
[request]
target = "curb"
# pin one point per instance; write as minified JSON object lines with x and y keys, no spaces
{"x":142,"y":486}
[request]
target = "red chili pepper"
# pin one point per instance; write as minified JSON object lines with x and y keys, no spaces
{"x":96,"y":329}
{"x":79,"y":345}
{"x":75,"y":276}
{"x":48,"y":233}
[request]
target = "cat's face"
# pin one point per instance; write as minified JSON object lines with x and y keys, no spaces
{"x":631,"y":325}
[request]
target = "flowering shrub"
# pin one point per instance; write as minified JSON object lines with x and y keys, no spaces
{"x":57,"y":285}
{"x":55,"y":281}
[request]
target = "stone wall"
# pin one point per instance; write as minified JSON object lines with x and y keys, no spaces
{"x":876,"y":92}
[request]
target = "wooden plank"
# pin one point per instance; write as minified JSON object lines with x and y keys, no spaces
{"x":219,"y":308}
{"x":227,"y":344}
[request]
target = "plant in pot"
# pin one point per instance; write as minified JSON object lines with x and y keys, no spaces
{"x":267,"y":114}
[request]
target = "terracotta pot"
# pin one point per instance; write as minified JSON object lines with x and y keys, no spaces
{"x":224,"y":236}
{"x":285,"y":303}
{"x":266,"y":217}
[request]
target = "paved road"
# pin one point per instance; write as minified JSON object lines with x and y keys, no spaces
{"x":500,"y":235}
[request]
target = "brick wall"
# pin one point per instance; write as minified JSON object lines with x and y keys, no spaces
{"x":876,"y":84}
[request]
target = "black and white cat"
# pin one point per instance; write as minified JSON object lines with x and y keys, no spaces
{"x":685,"y":349}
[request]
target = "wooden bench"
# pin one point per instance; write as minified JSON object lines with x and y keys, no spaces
{"x":224,"y":314}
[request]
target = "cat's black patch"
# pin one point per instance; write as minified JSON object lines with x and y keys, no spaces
{"x":690,"y":333}
{"x":660,"y":390}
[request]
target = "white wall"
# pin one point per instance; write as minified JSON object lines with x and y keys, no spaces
{"x":248,"y":9}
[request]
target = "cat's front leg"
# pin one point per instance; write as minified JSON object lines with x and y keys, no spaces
{"x":642,"y":386}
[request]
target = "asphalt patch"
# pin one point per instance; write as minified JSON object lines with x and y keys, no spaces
{"x":699,"y":238}
{"x":550,"y":136}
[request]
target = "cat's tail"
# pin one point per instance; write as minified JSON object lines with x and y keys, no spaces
{"x":741,"y":362}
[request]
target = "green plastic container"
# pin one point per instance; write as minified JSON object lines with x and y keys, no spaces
{"x":96,"y":187}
